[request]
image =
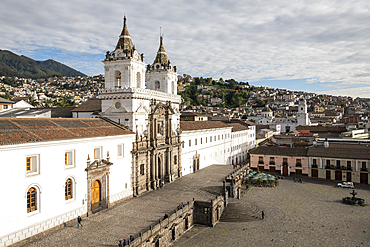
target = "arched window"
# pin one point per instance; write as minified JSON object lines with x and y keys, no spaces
{"x":31,"y":200}
{"x":117,"y":77}
{"x":157,"y":86}
{"x":68,"y":189}
{"x":138,"y":79}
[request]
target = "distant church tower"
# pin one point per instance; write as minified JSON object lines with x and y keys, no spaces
{"x":161,"y":75}
{"x":302,"y":116}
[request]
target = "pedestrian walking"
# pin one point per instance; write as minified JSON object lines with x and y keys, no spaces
{"x":120,"y":244}
{"x":263,"y":215}
{"x":124,"y":242}
{"x":132,"y":237}
{"x":79,"y":221}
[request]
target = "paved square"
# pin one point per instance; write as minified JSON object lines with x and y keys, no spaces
{"x":135,"y":215}
{"x":307,"y":214}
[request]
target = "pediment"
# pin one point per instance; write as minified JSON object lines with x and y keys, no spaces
{"x":142,"y":109}
{"x":161,"y":108}
{"x":98,"y":164}
{"x":112,"y":109}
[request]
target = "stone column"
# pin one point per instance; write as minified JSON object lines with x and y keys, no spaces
{"x":156,"y":166}
{"x":134,"y":175}
{"x":107,"y":185}
{"x":168,"y":163}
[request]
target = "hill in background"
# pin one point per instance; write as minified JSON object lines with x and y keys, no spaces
{"x":21,"y":66}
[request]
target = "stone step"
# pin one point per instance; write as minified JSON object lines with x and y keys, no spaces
{"x":240,"y":212}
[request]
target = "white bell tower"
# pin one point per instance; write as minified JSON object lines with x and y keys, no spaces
{"x":124,"y":67}
{"x":161,"y":75}
{"x":302,"y":116}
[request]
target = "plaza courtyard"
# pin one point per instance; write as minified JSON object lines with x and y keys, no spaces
{"x":296,"y":214}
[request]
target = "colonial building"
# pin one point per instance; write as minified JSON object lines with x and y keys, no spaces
{"x":58,"y":169}
{"x":333,"y":161}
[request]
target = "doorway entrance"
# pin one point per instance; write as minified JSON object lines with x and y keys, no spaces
{"x":285,"y":170}
{"x":95,"y":193}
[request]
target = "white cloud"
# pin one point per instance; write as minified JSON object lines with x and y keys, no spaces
{"x":246,"y":40}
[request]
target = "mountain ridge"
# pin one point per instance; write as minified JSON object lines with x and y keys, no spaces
{"x":12,"y":64}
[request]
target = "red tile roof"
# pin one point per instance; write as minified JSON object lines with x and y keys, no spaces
{"x":238,"y":126}
{"x":195,"y":125}
{"x":26,"y":130}
{"x":91,"y":105}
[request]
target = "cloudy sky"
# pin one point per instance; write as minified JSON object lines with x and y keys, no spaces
{"x":311,"y":45}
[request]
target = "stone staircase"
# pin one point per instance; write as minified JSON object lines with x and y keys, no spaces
{"x":240,"y":211}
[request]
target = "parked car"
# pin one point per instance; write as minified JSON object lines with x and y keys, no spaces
{"x":346,"y":185}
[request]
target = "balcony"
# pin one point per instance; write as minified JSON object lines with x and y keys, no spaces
{"x":260,"y":162}
{"x":349,"y":168}
{"x":285,"y":163}
{"x":272,"y":163}
{"x":314,"y":166}
{"x":298,"y":165}
{"x":327,"y":167}
{"x":363,"y":169}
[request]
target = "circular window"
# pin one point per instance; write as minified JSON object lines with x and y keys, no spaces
{"x":117,"y":105}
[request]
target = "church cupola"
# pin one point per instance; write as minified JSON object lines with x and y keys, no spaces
{"x":161,"y":57}
{"x":125,"y":43}
{"x":161,"y":61}
{"x":161,"y":75}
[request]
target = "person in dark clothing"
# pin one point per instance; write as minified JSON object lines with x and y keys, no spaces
{"x":124,"y":242}
{"x":263,"y":215}
{"x":132,"y":237}
{"x":120,"y":244}
{"x":79,"y":221}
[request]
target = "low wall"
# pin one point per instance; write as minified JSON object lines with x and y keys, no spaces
{"x":234,"y":180}
{"x":166,"y":230}
{"x":209,"y":213}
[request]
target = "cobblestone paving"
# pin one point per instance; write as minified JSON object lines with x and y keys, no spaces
{"x":133,"y":216}
{"x":297,"y":214}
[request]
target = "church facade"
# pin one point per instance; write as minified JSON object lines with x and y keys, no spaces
{"x":144,"y":98}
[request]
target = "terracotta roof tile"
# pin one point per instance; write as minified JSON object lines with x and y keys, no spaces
{"x":26,"y":130}
{"x":195,"y":125}
{"x":344,"y":151}
{"x":238,"y":127}
{"x":91,"y":105}
{"x":280,"y":151}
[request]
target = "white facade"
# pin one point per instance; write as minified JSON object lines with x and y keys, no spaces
{"x":212,"y":146}
{"x":48,"y":176}
{"x":219,"y":145}
{"x":241,"y":142}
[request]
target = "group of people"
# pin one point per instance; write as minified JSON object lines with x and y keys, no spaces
{"x":180,"y":206}
{"x":124,"y":242}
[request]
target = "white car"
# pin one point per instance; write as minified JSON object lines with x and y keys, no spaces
{"x":346,"y":185}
